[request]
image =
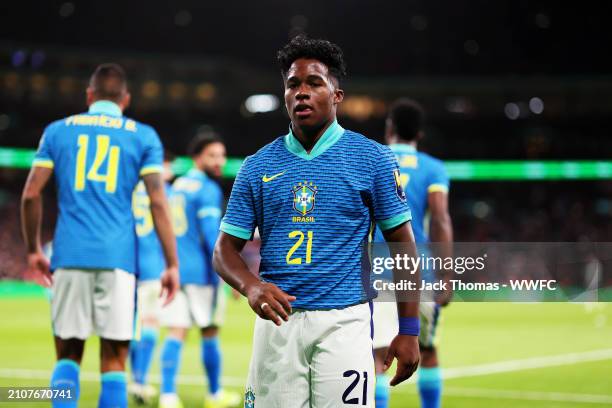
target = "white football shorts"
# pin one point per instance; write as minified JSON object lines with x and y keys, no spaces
{"x":195,"y":305}
{"x":318,"y":359}
{"x":149,"y":302}
{"x":84,"y":302}
{"x":386,"y":323}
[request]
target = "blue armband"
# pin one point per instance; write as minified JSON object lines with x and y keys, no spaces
{"x":410,"y":326}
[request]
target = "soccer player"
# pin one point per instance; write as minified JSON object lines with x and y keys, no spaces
{"x":97,"y":158}
{"x":426,"y":184}
{"x":150,"y":267}
{"x":197,"y":202}
{"x":314,"y":194}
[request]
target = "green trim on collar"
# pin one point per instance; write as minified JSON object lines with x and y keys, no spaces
{"x":402,"y":148}
{"x":394,"y":221}
{"x":105,"y":107}
{"x":332,"y":134}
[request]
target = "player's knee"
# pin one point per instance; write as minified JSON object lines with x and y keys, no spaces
{"x":429,"y":356}
{"x":210,"y":331}
{"x":69,"y":349}
{"x":113,"y":354}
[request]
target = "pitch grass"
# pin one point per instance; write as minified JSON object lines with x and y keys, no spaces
{"x":471,"y":334}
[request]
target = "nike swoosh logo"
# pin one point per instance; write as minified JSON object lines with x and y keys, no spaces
{"x":265,"y":179}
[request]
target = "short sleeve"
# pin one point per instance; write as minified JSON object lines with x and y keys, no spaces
{"x":388,"y":198}
{"x":44,"y":154}
{"x":153,"y":155}
{"x":239,"y":219}
{"x":438,"y":179}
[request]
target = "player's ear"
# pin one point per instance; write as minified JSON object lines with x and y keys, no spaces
{"x":89,"y":96}
{"x":338,"y":95}
{"x":125,"y":101}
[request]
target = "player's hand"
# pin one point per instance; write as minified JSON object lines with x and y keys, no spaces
{"x":170,"y":284}
{"x":406,"y":350}
{"x":269,"y":302}
{"x":39,"y":269}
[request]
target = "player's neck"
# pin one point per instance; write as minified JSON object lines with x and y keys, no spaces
{"x":309,"y":136}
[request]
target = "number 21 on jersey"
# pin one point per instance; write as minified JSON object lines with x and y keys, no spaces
{"x":104,"y":153}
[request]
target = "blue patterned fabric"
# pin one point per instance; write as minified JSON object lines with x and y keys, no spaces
{"x":314,"y":213}
{"x":97,"y":158}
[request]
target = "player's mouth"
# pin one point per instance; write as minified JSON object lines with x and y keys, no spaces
{"x":302,"y":110}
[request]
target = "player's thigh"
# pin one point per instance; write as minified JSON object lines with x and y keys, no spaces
{"x":114,"y":304}
{"x":385,"y":323}
{"x":71,"y":303}
{"x":278,"y":371}
{"x":342,"y":368}
{"x":206,"y":304}
{"x":176,"y":313}
{"x":429,"y":314}
{"x":149,"y":302}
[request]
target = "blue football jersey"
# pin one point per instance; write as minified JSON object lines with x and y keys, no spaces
{"x":97,"y":158}
{"x":314,"y":212}
{"x":196,"y":203}
{"x":420,"y":174}
{"x":151,"y":262}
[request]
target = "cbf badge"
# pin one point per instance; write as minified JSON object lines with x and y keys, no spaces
{"x":304,"y":197}
{"x":249,"y":398}
{"x":398,"y":185}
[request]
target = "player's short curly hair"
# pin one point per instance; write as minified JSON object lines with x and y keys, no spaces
{"x":301,"y":46}
{"x":407,"y":116}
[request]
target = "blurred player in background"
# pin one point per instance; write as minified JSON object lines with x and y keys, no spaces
{"x":97,"y":158}
{"x":314,"y":194}
{"x":426,"y":184}
{"x":150,"y":267}
{"x":197,"y":206}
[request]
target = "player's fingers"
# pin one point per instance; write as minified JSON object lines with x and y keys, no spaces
{"x":268,"y":313}
{"x":279,"y":309}
{"x":402,"y":373}
{"x":284,"y":300}
{"x":388,"y":358}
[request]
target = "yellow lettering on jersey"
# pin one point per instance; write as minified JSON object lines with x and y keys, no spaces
{"x":303,"y":219}
{"x":179,"y":218}
{"x":102,"y":152}
{"x":142,"y":213}
{"x":95,"y":120}
{"x":300,"y":239}
{"x":409,"y":161}
{"x":130,"y":125}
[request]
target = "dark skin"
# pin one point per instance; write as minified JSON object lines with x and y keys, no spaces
{"x":311,"y":98}
{"x":441,"y":232}
{"x":113,"y":353}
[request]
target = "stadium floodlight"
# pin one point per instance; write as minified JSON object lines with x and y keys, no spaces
{"x":261,"y":103}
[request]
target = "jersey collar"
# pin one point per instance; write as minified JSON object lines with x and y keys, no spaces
{"x":332,"y":134}
{"x":105,"y":107}
{"x":195,"y":172}
{"x":402,"y":148}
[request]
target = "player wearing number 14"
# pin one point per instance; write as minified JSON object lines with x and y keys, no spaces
{"x":97,"y":158}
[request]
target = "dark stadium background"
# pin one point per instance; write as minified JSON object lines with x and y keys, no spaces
{"x":474,"y":65}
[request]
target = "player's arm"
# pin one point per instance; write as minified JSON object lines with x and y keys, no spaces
{"x":31,"y":221}
{"x":441,"y":232}
{"x":160,"y":211}
{"x":266,"y":299}
{"x":404,"y":347}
